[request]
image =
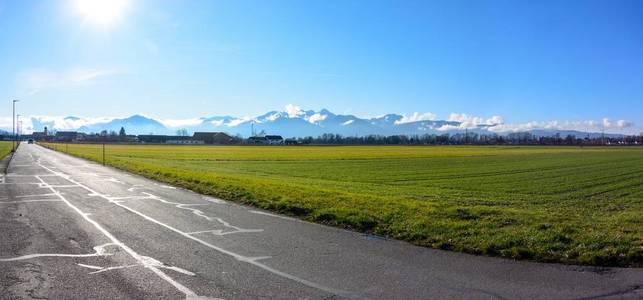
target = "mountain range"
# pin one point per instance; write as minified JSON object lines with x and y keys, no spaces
{"x":291,"y":123}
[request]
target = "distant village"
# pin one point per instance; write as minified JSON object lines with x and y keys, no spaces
{"x":221,"y":138}
{"x":198,"y":138}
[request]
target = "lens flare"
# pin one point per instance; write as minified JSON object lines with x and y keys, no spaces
{"x":103,"y":12}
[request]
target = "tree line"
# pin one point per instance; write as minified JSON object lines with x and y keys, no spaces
{"x":520,"y":138}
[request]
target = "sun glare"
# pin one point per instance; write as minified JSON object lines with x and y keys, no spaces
{"x":102,"y":12}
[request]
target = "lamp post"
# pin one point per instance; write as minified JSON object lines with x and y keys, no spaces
{"x":18,"y":127}
{"x":13,"y":126}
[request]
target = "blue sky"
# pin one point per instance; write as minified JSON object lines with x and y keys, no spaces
{"x":545,"y":61}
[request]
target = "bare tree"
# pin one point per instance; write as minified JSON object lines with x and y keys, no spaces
{"x":182,"y":132}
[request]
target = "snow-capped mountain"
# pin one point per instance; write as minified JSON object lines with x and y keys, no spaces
{"x":292,"y":122}
{"x":135,"y":124}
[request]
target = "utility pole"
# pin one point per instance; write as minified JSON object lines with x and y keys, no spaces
{"x":13,"y":126}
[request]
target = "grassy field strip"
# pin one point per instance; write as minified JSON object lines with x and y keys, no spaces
{"x":5,"y":149}
{"x":555,"y":204}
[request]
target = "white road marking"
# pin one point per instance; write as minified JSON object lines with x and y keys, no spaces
{"x":239,"y":257}
{"x":139,"y":258}
{"x":258,"y":212}
{"x":213,"y":200}
{"x":147,"y":262}
{"x":201,"y":214}
{"x":99,"y":251}
{"x":90,"y":266}
{"x":134,"y":187}
{"x":61,"y":186}
{"x":112,"y":179}
{"x":220,"y":231}
{"x":250,"y":260}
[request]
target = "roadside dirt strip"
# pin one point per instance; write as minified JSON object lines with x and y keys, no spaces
{"x":76,"y":230}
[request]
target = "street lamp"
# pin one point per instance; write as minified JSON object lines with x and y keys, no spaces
{"x":18,"y":127}
{"x":13,"y":126}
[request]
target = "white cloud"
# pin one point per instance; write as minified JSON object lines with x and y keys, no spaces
{"x":317,"y":118}
{"x":293,"y":111}
{"x":348,"y":122}
{"x":415,"y":117}
{"x":5,"y":122}
{"x":495,"y":120}
{"x":174,"y":123}
{"x":620,"y":124}
{"x":588,"y":125}
{"x":57,"y":122}
{"x":62,"y":123}
{"x":447,"y":127}
{"x":624,"y":124}
{"x":217,"y":122}
{"x":35,"y":81}
{"x":468,"y":121}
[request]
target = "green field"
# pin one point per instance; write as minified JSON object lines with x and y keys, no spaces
{"x":5,"y":148}
{"x":556,"y":204}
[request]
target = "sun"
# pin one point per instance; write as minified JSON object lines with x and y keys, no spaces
{"x":103,"y":12}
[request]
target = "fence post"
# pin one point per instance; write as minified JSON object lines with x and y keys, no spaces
{"x":103,"y":154}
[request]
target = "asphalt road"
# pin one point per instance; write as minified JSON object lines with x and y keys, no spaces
{"x":71,"y":229}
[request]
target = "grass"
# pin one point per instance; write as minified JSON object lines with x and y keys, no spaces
{"x":5,"y":149}
{"x":552,"y":204}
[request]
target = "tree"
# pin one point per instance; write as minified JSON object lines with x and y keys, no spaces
{"x":121,"y":133}
{"x":182,"y":132}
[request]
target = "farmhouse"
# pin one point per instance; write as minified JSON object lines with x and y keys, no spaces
{"x":291,"y":142}
{"x":274,"y":139}
{"x":66,"y":136}
{"x":257,"y":140}
{"x":160,"y":139}
{"x":184,"y":142}
{"x":39,"y":135}
{"x":266,"y":140}
{"x":217,"y":138}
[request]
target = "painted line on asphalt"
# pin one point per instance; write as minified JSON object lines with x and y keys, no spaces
{"x":99,"y":251}
{"x":139,"y":258}
{"x":258,"y":212}
{"x":250,"y":260}
{"x":220,"y":232}
{"x":148,"y":262}
{"x":203,"y":215}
